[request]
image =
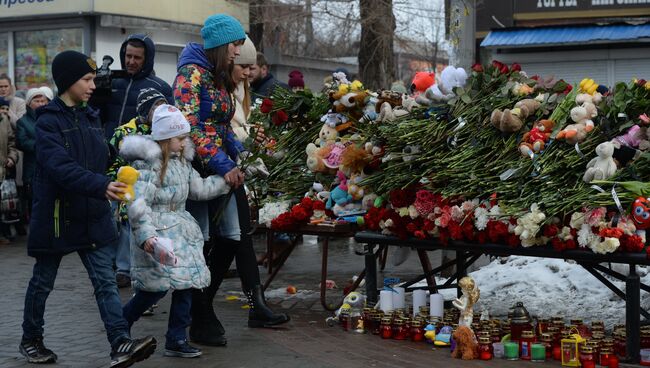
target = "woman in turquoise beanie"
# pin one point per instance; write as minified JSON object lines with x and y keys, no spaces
{"x":203,"y":92}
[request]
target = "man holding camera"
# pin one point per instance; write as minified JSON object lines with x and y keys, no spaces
{"x":137,"y":58}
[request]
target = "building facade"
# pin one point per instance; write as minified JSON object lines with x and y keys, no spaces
{"x":607,"y":40}
{"x":32,"y":32}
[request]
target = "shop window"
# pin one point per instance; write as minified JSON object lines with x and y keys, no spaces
{"x":35,"y":50}
{"x":4,"y":53}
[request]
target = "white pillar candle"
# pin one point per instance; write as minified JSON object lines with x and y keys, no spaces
{"x":437,"y":305}
{"x":386,"y":301}
{"x":399,"y":297}
{"x":419,"y":300}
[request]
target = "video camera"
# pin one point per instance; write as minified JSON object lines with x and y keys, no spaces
{"x":104,"y":81}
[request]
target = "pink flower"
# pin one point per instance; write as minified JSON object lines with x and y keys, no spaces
{"x":644,"y":118}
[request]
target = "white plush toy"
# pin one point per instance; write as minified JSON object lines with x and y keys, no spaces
{"x":450,"y":78}
{"x":603,"y":166}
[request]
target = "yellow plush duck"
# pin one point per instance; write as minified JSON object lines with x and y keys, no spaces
{"x":129,"y":176}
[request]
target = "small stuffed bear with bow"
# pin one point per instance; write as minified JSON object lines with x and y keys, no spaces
{"x":534,"y":140}
{"x":129,"y":176}
{"x":603,"y":166}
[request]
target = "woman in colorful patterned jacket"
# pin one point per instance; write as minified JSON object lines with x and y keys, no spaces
{"x":203,"y":92}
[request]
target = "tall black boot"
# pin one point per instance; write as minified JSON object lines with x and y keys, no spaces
{"x":259,"y":314}
{"x":206,"y":329}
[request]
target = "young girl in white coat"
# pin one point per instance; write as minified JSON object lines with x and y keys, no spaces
{"x":158,"y":215}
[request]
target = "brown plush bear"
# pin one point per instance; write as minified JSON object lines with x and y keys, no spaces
{"x":466,"y":345}
{"x":393,"y":98}
{"x":510,"y":121}
{"x":534,"y":140}
{"x":350,"y":102}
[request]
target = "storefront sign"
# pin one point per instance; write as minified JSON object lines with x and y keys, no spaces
{"x":21,"y":8}
{"x":530,"y":6}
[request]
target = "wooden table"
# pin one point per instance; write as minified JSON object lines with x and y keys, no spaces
{"x":468,"y":253}
{"x":325,"y":232}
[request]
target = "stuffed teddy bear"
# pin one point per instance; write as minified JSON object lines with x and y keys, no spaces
{"x":582,"y":116}
{"x":327,"y":135}
{"x":129,"y":176}
{"x":376,"y":150}
{"x":387,"y":113}
{"x":577,"y":132}
{"x":533,"y":141}
{"x":466,"y":345}
{"x":354,"y":159}
{"x":603,"y":166}
{"x":625,"y":146}
{"x":510,"y":121}
{"x":316,"y":156}
{"x":394,"y":99}
{"x":356,"y":191}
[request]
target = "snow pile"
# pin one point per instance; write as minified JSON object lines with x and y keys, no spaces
{"x":549,"y":287}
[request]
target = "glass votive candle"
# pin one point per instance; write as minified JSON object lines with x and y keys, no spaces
{"x":484,"y":348}
{"x":605,"y":355}
{"x":498,"y":349}
{"x":511,"y":350}
{"x":538,"y":353}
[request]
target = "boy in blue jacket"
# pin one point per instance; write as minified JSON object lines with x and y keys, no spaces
{"x":71,"y":212}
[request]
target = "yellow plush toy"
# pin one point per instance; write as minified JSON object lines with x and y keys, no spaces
{"x":128,"y":176}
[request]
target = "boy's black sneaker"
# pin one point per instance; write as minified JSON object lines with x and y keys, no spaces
{"x":130,"y":351}
{"x":181,"y":349}
{"x":35,"y":352}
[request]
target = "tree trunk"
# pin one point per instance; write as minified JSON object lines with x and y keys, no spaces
{"x":256,"y":23}
{"x":309,"y":29}
{"x":376,"y":57}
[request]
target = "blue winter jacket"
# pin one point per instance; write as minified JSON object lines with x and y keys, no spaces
{"x":70,"y":211}
{"x":121,"y":108}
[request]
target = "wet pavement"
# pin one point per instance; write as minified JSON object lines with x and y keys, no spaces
{"x":75,"y":332}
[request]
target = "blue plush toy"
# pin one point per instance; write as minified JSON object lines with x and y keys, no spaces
{"x":339,"y":196}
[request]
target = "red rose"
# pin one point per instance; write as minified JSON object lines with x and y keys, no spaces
{"x":401,"y":197}
{"x":568,"y":89}
{"x":279,"y":118}
{"x":477,"y":68}
{"x":515,"y":67}
{"x":550,"y":231}
{"x":318,"y":205}
{"x":420,"y":234}
{"x":641,"y":82}
{"x":535,"y":77}
{"x":570,"y":244}
{"x":513,"y":240}
{"x":443,"y":235}
{"x":283,"y":222}
{"x":482,"y":237}
{"x":558,"y":244}
{"x":266,"y":106}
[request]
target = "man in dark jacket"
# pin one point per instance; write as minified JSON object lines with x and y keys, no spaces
{"x":137,"y":57}
{"x":71,"y":212}
{"x":263,"y":83}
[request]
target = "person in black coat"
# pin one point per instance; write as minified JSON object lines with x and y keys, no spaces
{"x":137,"y":57}
{"x":263,"y":83}
{"x":71,"y":212}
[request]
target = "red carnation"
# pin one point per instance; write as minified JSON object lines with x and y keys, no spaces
{"x":455,"y":231}
{"x":267,"y":105}
{"x":611,"y":233}
{"x":307,"y":202}
{"x":300,"y":213}
{"x":477,"y":68}
{"x":420,"y":234}
{"x":632,"y":243}
{"x":482,"y":237}
{"x":279,"y":118}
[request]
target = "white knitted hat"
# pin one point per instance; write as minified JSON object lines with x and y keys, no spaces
{"x":247,"y":53}
{"x":168,"y":122}
{"x":41,"y":91}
